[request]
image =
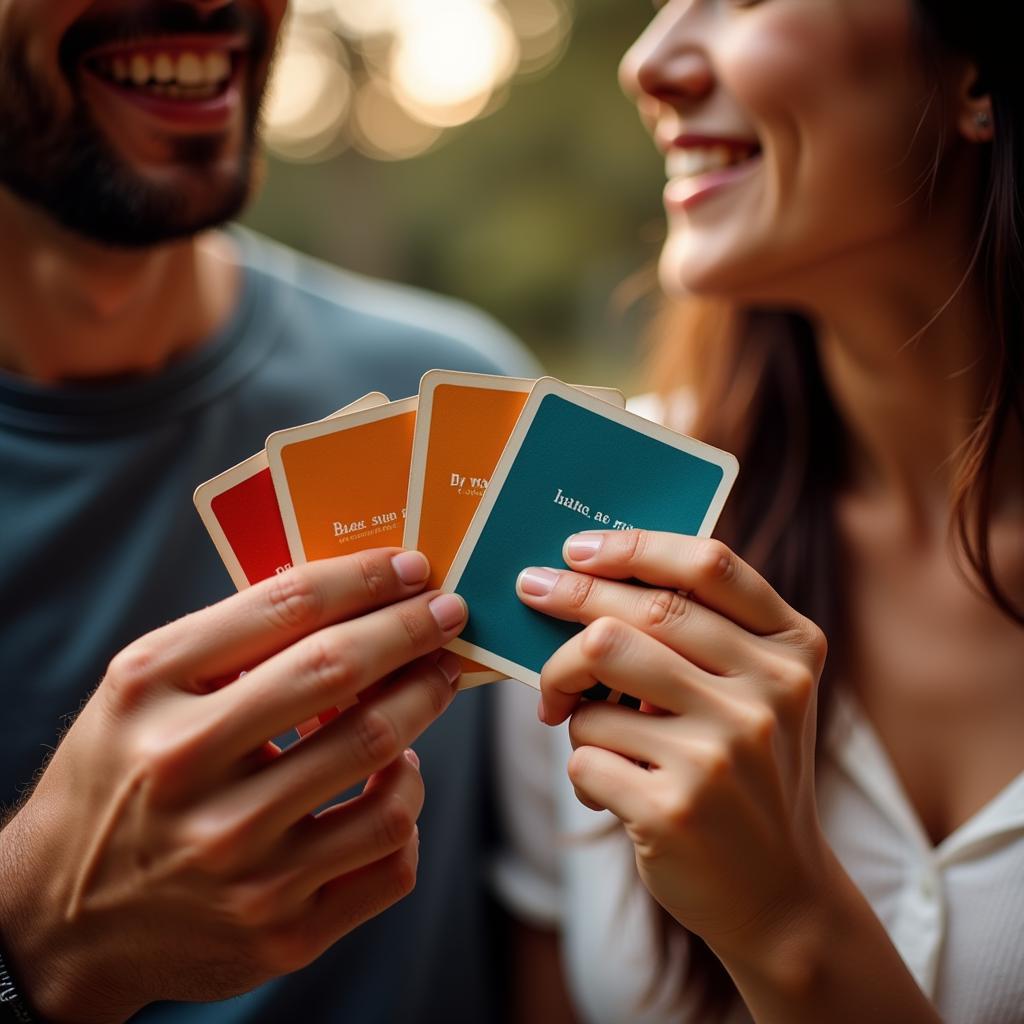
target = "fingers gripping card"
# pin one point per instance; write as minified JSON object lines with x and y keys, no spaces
{"x":342,"y":486}
{"x":573,"y":463}
{"x":462,"y":425}
{"x":240,"y":512}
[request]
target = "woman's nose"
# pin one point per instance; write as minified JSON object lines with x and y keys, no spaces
{"x":666,"y":63}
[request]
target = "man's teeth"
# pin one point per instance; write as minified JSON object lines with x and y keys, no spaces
{"x":184,"y":75}
{"x":694,"y":160}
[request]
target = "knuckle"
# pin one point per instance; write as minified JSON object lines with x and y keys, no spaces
{"x":131,"y":672}
{"x":253,"y":904}
{"x":418,"y":625}
{"x":580,"y":590}
{"x":673,"y":810}
{"x":760,"y":728}
{"x":438,"y":692}
{"x":634,"y":546}
{"x":817,"y":644}
{"x":329,"y":661}
{"x":213,"y":845}
{"x":796,"y":683}
{"x":714,"y":761}
{"x":157,"y":757}
{"x":395,"y":825}
{"x":377,"y":738}
{"x":293,"y":600}
{"x":714,"y":560}
{"x":665,"y":812}
{"x":374,"y":576}
{"x":601,"y":639}
{"x":751,"y":737}
{"x":665,"y":609}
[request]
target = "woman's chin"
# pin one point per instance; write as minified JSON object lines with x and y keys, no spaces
{"x":688,"y":268}
{"x":687,"y":278}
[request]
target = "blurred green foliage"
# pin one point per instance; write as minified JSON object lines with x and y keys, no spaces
{"x":544,"y":213}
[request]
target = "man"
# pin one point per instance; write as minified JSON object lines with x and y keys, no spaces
{"x":168,"y":853}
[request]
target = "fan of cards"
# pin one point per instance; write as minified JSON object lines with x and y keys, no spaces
{"x":485,"y":475}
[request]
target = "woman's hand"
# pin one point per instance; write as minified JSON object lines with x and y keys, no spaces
{"x":714,"y":777}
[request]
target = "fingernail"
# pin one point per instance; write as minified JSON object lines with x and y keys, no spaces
{"x":449,"y":611}
{"x":412,"y":758}
{"x":451,"y":666}
{"x":411,"y":567}
{"x":582,"y":546}
{"x":537,"y":582}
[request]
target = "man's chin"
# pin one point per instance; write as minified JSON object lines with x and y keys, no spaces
{"x":142,"y":209}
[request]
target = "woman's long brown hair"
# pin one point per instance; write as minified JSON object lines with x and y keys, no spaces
{"x":761,"y":394}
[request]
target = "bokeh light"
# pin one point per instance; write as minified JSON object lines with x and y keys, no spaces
{"x":393,"y":77}
{"x":309,"y":97}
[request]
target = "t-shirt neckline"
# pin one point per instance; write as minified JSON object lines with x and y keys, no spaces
{"x":121,"y":404}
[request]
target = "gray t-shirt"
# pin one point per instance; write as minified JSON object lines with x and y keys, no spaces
{"x":100,"y":543}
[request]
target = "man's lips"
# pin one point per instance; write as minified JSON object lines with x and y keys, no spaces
{"x":198,"y":41}
{"x":191,"y":82}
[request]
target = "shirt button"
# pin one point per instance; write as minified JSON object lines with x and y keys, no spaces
{"x":927,"y":887}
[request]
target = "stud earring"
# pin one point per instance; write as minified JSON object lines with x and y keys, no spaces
{"x":983,"y":120}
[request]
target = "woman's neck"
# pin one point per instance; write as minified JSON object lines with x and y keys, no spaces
{"x":909,"y":352}
{"x":908,"y":403}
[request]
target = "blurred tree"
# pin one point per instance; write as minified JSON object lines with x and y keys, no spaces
{"x":540,"y":212}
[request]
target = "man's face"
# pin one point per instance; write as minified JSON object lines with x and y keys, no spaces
{"x":132,"y":122}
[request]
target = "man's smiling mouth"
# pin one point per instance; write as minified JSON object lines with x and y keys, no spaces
{"x":169,"y":69}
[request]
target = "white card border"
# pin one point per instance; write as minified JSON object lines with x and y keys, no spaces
{"x":429,"y":383}
{"x":281,"y":439}
{"x":542,"y":389}
{"x":204,"y":495}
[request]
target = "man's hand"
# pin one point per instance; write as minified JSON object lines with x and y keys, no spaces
{"x":170,"y":851}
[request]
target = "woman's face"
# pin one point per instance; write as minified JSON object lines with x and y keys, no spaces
{"x":798,"y":135}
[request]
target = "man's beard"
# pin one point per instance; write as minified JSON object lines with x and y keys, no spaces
{"x":67,"y":167}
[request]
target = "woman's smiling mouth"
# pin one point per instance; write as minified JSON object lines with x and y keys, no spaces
{"x":699,"y":166}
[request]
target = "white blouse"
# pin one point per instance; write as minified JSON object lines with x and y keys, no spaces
{"x":955,"y":912}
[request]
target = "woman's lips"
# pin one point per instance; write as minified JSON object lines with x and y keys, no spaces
{"x":698,"y":167}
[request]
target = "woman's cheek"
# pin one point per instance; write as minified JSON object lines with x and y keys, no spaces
{"x":780,"y":59}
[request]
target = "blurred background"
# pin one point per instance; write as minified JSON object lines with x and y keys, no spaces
{"x":478,"y":148}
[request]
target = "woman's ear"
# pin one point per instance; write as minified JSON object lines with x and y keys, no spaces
{"x":975,"y":120}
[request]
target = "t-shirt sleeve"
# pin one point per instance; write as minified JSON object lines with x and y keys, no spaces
{"x":526,"y":873}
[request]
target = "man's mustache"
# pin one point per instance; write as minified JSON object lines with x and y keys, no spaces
{"x":145,"y":20}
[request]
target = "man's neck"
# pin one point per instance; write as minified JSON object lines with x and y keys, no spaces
{"x":71,"y":310}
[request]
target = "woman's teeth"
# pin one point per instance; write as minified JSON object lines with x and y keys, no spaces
{"x":180,"y":76}
{"x":695,"y":160}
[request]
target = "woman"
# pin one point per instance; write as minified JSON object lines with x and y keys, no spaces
{"x":846,"y":221}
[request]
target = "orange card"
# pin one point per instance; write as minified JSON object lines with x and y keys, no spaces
{"x":240,"y":512}
{"x":342,"y":485}
{"x":463,"y":424}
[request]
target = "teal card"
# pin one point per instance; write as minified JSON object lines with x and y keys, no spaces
{"x":573,"y":463}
